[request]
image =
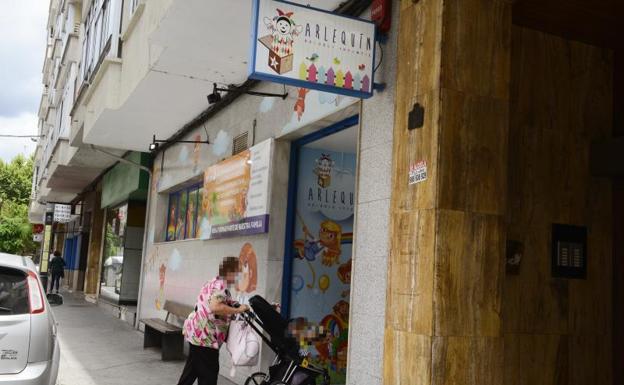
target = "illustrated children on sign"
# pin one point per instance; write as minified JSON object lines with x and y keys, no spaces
{"x":283,"y":31}
{"x":326,"y":246}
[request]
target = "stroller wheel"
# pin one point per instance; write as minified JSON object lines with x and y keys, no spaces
{"x":256,"y":379}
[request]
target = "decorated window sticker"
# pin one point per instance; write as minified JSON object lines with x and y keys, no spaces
{"x":173,"y":216}
{"x":191,"y":214}
{"x":181,"y":223}
{"x":321,"y":268}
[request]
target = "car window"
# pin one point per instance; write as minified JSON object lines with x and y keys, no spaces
{"x":13,"y":292}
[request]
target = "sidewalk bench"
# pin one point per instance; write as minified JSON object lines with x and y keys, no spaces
{"x":167,"y":336}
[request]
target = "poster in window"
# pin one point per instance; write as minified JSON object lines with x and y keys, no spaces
{"x":173,"y":213}
{"x":191,"y":214}
{"x":321,"y":268}
{"x":235,"y":198}
{"x":181,"y":225}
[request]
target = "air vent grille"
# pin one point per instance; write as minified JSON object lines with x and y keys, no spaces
{"x":239,"y":143}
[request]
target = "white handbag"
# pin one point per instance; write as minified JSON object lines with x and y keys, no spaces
{"x":243,"y":344}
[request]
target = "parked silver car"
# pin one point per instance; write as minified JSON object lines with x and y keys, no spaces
{"x":29,"y":349}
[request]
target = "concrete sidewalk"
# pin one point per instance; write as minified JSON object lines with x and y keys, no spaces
{"x":98,"y":349}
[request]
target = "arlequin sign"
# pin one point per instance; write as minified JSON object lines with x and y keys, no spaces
{"x":312,"y":48}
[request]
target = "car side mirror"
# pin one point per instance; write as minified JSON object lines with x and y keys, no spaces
{"x":54,"y":299}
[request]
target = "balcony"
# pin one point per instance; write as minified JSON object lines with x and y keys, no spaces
{"x":168,"y":68}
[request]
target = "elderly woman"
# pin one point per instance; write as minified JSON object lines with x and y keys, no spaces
{"x":206,"y":328}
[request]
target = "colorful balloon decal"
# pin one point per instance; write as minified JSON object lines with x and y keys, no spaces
{"x":324,"y":283}
{"x":297,"y":283}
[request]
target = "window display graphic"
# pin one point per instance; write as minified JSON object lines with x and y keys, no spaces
{"x":183,"y":213}
{"x":323,"y":244}
{"x":236,"y":194}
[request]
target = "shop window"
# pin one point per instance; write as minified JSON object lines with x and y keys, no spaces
{"x":183,"y":209}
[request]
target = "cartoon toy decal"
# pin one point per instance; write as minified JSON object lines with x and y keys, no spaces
{"x":333,"y":348}
{"x":249,"y":269}
{"x":344,"y":275}
{"x":161,"y":290}
{"x":300,"y":103}
{"x":326,"y":246}
{"x":323,"y":170}
{"x":283,"y":31}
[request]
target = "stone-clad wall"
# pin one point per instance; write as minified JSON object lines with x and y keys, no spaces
{"x":507,"y":134}
{"x":443,"y":313}
{"x":558,"y":330}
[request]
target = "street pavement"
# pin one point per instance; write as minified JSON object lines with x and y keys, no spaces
{"x":99,"y":349}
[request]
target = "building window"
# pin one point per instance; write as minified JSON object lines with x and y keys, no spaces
{"x":101,"y":27}
{"x":182,"y":213}
{"x":133,"y":4}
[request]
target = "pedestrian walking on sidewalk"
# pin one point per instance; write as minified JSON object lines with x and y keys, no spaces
{"x":57,"y":270}
{"x":206,"y":328}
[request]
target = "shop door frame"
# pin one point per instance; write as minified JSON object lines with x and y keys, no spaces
{"x":293,"y":175}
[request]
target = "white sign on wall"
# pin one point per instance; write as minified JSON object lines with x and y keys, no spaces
{"x":312,"y":48}
{"x":62,"y":213}
{"x":236,"y":194}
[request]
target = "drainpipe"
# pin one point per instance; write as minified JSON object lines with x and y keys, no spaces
{"x":147,"y":216}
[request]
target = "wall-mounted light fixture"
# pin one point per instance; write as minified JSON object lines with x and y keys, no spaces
{"x":156,"y":142}
{"x":215,"y":96}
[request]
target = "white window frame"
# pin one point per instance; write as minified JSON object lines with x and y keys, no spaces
{"x":133,"y":5}
{"x":101,"y":35}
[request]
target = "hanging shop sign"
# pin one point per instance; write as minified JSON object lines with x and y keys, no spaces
{"x":312,"y":48}
{"x":235,"y":197}
{"x":38,"y":228}
{"x":62,"y":213}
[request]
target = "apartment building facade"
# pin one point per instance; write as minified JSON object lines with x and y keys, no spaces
{"x":435,"y":204}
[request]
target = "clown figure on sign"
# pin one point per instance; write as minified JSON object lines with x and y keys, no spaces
{"x":283,"y":30}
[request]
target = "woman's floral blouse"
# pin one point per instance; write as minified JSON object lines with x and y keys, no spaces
{"x":202,"y":327}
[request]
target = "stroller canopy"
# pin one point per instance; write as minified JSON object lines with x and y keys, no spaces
{"x":276,"y":327}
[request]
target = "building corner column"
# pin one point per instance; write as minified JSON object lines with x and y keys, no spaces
{"x":446,"y":265}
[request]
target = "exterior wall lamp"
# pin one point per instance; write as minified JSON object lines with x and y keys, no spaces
{"x":215,"y":96}
{"x":156,"y":142}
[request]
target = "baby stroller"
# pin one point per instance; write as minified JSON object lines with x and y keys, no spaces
{"x":289,"y":367}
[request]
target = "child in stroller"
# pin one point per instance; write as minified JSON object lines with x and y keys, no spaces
{"x":290,"y":367}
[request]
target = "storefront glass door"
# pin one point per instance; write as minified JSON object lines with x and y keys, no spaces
{"x":321,"y":241}
{"x":113,"y":257}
